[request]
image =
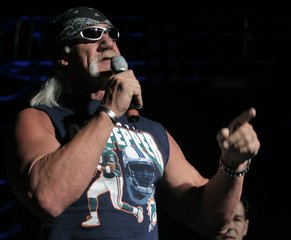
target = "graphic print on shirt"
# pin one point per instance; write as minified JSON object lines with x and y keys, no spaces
{"x":152,"y":212}
{"x":110,"y":180}
{"x":139,"y":174}
{"x":143,"y":165}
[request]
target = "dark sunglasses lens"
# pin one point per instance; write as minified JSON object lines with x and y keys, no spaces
{"x":92,"y":33}
{"x":113,"y":33}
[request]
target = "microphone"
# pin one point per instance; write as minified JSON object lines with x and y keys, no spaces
{"x":119,"y":64}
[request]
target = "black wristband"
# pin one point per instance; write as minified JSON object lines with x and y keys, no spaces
{"x":109,"y":112}
{"x":232,"y":173}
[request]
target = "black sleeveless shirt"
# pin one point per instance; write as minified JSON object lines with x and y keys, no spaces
{"x":119,"y":204}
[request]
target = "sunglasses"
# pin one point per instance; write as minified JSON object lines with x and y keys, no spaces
{"x":95,"y":33}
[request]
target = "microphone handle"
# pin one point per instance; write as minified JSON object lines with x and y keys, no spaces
{"x":132,"y":113}
{"x":119,"y":64}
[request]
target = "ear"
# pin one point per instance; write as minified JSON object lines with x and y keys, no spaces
{"x":64,"y":56}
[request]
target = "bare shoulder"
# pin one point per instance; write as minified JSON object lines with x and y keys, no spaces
{"x":34,"y":135}
{"x":29,"y":113}
{"x":31,"y":118}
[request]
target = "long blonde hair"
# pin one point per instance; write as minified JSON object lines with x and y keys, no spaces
{"x":49,"y":93}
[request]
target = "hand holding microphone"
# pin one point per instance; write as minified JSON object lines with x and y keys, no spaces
{"x":119,"y":64}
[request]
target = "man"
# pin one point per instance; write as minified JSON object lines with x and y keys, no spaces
{"x":81,"y":112}
{"x":239,"y":225}
{"x":109,"y":180}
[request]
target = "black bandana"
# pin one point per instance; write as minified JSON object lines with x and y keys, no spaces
{"x":71,"y":22}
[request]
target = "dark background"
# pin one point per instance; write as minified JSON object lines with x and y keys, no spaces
{"x":199,"y":67}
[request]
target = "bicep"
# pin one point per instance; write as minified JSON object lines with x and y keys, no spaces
{"x":182,"y":184}
{"x":180,"y":175}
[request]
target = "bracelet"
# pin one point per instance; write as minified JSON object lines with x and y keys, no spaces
{"x":109,"y":112}
{"x":230,"y":172}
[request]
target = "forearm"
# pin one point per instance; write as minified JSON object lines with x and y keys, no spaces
{"x":60,"y":177}
{"x":219,"y":199}
{"x":206,"y":206}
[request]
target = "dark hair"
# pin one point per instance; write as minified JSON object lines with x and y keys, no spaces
{"x":246,"y":206}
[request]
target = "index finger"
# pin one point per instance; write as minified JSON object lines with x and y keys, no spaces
{"x":244,"y":117}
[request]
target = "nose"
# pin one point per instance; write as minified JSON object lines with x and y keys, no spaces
{"x":105,"y":42}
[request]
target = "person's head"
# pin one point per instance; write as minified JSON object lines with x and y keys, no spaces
{"x":82,"y":41}
{"x":239,"y":225}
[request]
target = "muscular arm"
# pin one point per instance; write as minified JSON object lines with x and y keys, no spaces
{"x":51,"y":177}
{"x":207,"y":205}
{"x":55,"y":176}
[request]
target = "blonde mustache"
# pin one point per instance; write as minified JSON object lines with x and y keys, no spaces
{"x":93,"y":66}
{"x":108,"y":54}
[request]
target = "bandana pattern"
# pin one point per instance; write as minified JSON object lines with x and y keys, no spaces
{"x":73,"y":26}
{"x":70,"y":23}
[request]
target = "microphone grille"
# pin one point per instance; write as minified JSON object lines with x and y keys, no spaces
{"x":118,"y":64}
